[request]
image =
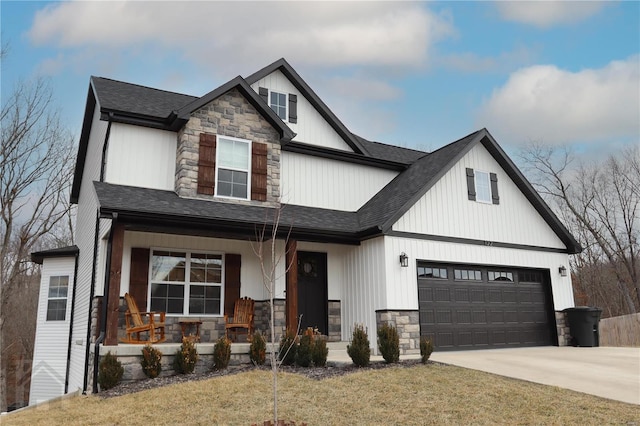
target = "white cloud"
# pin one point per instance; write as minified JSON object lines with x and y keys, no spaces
{"x":543,"y":13}
{"x":362,"y":88}
{"x":551,"y":105}
{"x":470,"y":62}
{"x":214,"y":33}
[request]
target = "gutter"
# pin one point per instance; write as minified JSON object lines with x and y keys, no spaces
{"x":105,"y":304}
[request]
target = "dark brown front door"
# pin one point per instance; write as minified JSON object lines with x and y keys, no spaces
{"x":312,"y":290}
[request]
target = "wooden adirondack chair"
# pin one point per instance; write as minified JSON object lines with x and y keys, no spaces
{"x":242,"y":318}
{"x":153,"y":324}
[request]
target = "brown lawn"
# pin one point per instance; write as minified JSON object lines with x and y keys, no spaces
{"x":431,"y":394}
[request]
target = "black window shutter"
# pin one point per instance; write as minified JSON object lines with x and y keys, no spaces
{"x":471,"y":184}
{"x":495,"y":198}
{"x":264,"y":94}
{"x":293,"y":108}
{"x":232,"y":266}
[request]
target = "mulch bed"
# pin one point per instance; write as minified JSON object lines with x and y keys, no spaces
{"x":316,"y":373}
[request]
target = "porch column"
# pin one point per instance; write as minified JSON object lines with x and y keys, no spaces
{"x":115,"y":273}
{"x":291,"y":301}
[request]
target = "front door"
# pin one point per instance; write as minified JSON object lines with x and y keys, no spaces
{"x":312,"y":290}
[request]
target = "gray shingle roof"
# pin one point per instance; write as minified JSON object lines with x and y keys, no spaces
{"x":126,"y":97}
{"x":408,"y":186}
{"x":154,"y":202}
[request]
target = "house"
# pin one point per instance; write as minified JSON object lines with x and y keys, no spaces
{"x":171,"y":189}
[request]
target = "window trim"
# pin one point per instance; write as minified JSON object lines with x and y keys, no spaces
{"x":248,"y":170}
{"x":488,"y":181}
{"x":187,"y":284}
{"x":65,"y":298}
{"x":286,"y":104}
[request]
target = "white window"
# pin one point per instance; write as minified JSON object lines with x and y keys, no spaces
{"x":186,"y":283}
{"x":233,"y":167}
{"x":278,"y":103}
{"x":57,"y":303}
{"x":483,"y":187}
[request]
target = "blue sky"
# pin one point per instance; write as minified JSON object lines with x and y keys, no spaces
{"x":416,"y":74}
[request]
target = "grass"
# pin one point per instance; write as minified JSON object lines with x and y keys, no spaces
{"x":424,"y":394}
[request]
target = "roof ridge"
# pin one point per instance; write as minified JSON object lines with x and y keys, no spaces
{"x":392,"y":145}
{"x":143,"y":86}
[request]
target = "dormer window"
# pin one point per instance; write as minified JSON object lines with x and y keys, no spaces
{"x":278,"y":103}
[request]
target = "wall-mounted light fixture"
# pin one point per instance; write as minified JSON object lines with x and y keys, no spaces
{"x":563,"y":271}
{"x":404,"y":260}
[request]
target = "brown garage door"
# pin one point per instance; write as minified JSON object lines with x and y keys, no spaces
{"x":473,"y":307}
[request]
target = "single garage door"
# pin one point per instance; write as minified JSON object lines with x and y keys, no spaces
{"x":479,"y":307}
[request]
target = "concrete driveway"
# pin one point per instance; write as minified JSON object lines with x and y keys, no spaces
{"x":612,"y":373}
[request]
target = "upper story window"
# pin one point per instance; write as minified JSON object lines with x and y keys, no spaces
{"x":57,"y":298}
{"x":233,"y":167}
{"x":278,"y":103}
{"x":482,"y":186}
{"x":285,"y":105}
{"x":186,"y":283}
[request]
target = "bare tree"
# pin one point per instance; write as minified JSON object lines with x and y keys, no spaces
{"x":601,"y":204}
{"x":36,"y":166}
{"x":266,"y":249}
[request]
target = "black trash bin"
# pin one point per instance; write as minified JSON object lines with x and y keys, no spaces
{"x":584,"y":325}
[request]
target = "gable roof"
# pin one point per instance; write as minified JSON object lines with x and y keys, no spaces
{"x":286,"y":134}
{"x":283,"y":66}
{"x":386,"y":207}
{"x":395,"y":199}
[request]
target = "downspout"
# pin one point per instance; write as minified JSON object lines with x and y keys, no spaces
{"x":105,"y":304}
{"x":73,"y":309}
{"x":103,"y":162}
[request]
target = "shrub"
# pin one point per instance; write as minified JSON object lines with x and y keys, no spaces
{"x":151,"y":361}
{"x":304,"y":354}
{"x":359,"y":350}
{"x":186,"y":357}
{"x":110,"y":371}
{"x":221,"y":353}
{"x":389,"y":343}
{"x":320,"y":352}
{"x":288,"y":348}
{"x":258,"y":349}
{"x":426,"y":347}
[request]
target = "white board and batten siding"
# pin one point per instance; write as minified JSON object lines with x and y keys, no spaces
{"x":85,"y":230}
{"x":364,"y":288}
{"x":311,"y":127}
{"x":49,"y":367}
{"x":319,"y":182}
{"x":140,"y":156}
{"x":446,"y":210}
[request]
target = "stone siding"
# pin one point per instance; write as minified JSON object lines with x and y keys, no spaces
{"x":262,"y":314}
{"x":335,"y":321}
{"x":229,"y":115}
{"x":562,"y":325}
{"x":408,"y":325}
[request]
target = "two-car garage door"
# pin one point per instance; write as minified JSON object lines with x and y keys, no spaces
{"x":477,"y":307}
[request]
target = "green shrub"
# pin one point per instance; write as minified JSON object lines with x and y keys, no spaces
{"x":304,"y":354}
{"x":389,"y":343}
{"x":359,"y":350}
{"x":258,"y":349}
{"x":426,"y":347}
{"x":288,"y":348}
{"x":320,"y":352}
{"x":110,"y":371}
{"x":186,"y":357}
{"x":221,"y":353}
{"x":151,"y":361}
